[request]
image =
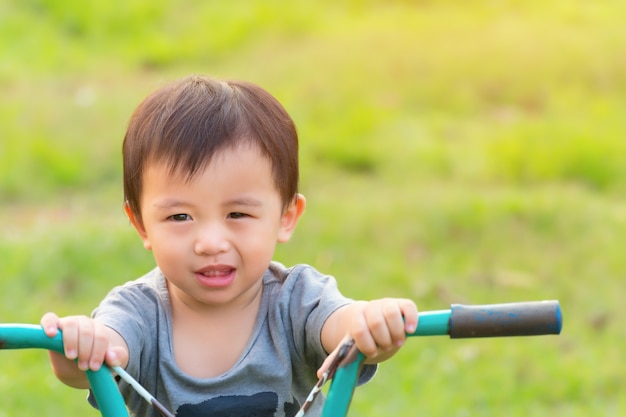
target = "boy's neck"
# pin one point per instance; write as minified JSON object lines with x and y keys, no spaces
{"x":209,"y":341}
{"x":242,"y":305}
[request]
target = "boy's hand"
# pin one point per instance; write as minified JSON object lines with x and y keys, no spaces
{"x":87,"y":341}
{"x":378,"y":327}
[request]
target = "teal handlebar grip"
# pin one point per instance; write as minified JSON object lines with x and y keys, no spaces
{"x":103,"y":385}
{"x":530,"y":318}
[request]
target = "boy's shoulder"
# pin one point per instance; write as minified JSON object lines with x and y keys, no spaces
{"x":152,"y":285}
{"x":277,"y":273}
{"x":299,"y":281}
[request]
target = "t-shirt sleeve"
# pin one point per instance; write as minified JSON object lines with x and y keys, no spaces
{"x":132,"y":310}
{"x":124,"y":310}
{"x":307,"y":299}
{"x":311,"y":298}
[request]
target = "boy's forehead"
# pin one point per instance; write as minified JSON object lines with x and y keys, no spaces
{"x":239,"y":155}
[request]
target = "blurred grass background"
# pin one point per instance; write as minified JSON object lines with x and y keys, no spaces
{"x":452,"y":152}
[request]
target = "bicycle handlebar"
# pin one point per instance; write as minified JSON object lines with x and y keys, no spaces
{"x":103,"y":385}
{"x":531,"y":318}
{"x":494,"y":320}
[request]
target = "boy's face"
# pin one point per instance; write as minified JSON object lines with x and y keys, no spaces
{"x":214,"y":236}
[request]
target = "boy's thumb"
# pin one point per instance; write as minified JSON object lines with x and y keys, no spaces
{"x":117,"y":356}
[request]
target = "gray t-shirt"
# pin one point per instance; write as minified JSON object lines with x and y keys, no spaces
{"x":276,"y":370}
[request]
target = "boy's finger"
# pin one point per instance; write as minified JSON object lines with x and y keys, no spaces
{"x":331,"y":357}
{"x":410,"y":314}
{"x":50,"y":324}
{"x":116,"y":356}
{"x":86,"y":335}
{"x":326,"y":363}
{"x":70,"y":338}
{"x":385,"y":323}
{"x":100,"y":345}
{"x":395,"y":324}
{"x":362,"y":334}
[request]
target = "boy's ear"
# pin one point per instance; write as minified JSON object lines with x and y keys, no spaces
{"x":290,"y":218}
{"x":138,"y":225}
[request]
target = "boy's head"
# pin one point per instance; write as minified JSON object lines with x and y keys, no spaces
{"x":184,"y":125}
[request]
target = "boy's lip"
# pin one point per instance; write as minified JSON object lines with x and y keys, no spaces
{"x":216,"y":276}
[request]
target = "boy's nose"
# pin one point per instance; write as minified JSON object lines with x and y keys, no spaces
{"x":211,"y":240}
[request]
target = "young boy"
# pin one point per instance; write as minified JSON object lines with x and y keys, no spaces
{"x":218,"y":328}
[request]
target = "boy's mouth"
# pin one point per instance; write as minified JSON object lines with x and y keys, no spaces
{"x":216,"y":276}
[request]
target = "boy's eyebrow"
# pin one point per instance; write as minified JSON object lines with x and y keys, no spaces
{"x":168,"y":203}
{"x":244,"y":201}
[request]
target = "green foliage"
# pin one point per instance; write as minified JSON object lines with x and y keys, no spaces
{"x":450,"y":153}
{"x":143,"y":34}
{"x":587,"y":151}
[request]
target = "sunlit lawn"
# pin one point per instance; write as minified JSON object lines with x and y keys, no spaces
{"x":450,"y":153}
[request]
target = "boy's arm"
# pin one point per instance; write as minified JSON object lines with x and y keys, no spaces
{"x":87,"y":345}
{"x":378,"y":327}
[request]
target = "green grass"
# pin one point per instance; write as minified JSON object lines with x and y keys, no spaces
{"x":451,"y":153}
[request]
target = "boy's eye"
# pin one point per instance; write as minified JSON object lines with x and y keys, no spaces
{"x":236,"y":215}
{"x":179,"y":217}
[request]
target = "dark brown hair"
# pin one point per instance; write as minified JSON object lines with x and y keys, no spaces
{"x":186,"y":123}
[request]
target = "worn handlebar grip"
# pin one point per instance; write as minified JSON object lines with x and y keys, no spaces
{"x":511,"y":319}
